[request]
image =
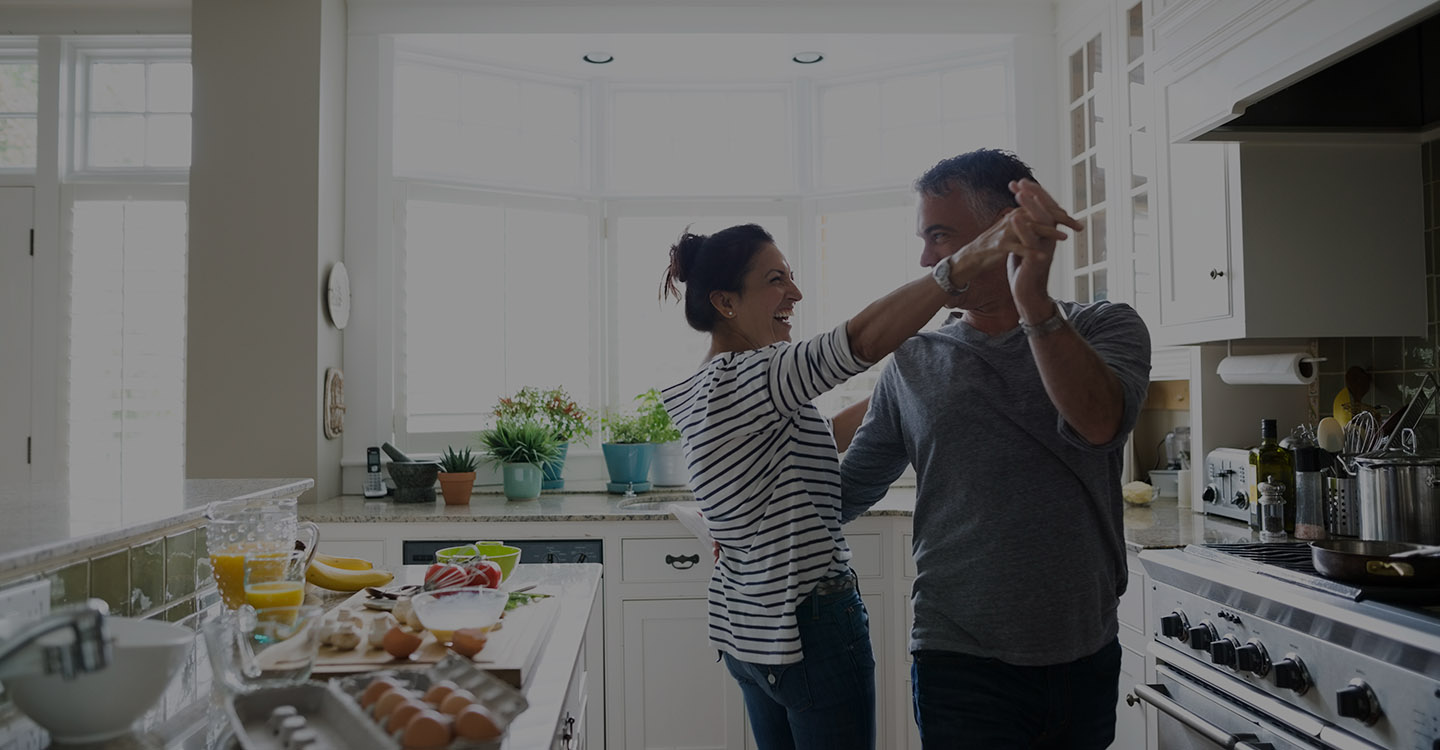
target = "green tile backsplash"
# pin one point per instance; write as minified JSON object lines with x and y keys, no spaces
{"x":1397,"y":364}
{"x":179,"y":565}
{"x":110,"y":580}
{"x":70,"y":584}
{"x":147,"y":577}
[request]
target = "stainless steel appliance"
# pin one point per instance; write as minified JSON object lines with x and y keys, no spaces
{"x":1254,"y":649}
{"x":1400,"y":496}
{"x":1226,"y":492}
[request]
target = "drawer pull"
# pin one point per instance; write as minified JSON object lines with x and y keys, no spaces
{"x":675,"y":561}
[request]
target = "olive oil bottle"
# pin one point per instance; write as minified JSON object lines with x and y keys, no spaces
{"x":1269,"y":459}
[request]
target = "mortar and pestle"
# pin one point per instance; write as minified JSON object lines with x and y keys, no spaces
{"x":414,"y":480}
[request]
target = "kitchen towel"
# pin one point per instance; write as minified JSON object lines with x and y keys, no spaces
{"x":1295,"y":368}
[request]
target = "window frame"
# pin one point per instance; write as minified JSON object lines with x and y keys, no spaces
{"x":79,"y":56}
{"x":24,"y":49}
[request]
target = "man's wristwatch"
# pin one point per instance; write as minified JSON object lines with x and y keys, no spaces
{"x":1052,"y":324}
{"x":941,"y":274}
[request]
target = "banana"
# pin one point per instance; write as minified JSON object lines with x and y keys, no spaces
{"x":328,"y":576}
{"x":348,"y":563}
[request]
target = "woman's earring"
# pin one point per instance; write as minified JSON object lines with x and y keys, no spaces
{"x":730,"y":314}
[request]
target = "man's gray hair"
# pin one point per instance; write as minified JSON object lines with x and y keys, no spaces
{"x":983,"y":176}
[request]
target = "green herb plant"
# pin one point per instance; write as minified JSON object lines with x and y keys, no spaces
{"x":458,"y":463}
{"x":657,"y":420}
{"x":626,"y":428}
{"x":553,"y":409}
{"x":520,"y":442}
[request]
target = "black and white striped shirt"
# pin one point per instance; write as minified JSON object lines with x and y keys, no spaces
{"x":765,"y":471}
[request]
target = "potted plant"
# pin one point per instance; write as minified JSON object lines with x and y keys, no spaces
{"x":628,"y":451}
{"x":555,"y":409}
{"x":521,"y":447}
{"x":667,"y":468}
{"x":457,"y":475}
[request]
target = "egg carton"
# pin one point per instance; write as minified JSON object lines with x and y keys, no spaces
{"x":308,"y":716}
{"x":503,"y":701}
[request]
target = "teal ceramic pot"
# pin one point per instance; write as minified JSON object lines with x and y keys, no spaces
{"x":553,"y":480}
{"x":522,"y":481}
{"x":628,"y":463}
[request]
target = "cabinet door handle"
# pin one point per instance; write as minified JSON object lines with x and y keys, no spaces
{"x":675,"y":561}
{"x":568,"y":736}
{"x":1216,"y":273}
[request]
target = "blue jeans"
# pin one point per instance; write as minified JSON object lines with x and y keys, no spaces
{"x":826,"y":701}
{"x":964,"y":701}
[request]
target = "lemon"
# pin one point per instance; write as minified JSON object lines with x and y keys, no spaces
{"x":1341,"y":407}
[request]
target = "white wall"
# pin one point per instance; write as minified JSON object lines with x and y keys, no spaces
{"x":265,"y":222}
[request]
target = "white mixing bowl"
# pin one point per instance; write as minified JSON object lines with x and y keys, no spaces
{"x":104,"y":704}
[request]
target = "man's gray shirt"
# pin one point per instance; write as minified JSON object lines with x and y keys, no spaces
{"x":1018,"y":539}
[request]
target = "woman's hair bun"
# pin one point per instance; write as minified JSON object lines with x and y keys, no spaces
{"x":683,"y":253}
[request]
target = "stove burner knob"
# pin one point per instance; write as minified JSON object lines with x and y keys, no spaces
{"x":1174,"y":625}
{"x":1252,"y":658}
{"x":1290,"y":673}
{"x":1358,"y":701}
{"x":1222,"y":651}
{"x":1200,"y":636}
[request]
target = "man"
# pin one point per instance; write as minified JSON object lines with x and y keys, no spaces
{"x":1015,"y":416}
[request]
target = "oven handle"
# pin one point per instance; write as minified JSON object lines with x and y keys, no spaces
{"x":1157,"y":696}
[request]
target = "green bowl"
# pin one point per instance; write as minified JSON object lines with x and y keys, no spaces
{"x":503,"y":554}
{"x":456,"y":554}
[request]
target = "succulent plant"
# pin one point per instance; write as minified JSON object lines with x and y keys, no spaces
{"x":458,"y":463}
{"x":520,"y":442}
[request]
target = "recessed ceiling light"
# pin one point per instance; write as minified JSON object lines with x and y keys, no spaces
{"x":808,"y":58}
{"x":599,"y":58}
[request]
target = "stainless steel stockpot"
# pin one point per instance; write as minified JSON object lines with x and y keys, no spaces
{"x":1400,"y":496}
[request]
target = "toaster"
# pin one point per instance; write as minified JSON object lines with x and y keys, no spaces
{"x":1227,"y":492}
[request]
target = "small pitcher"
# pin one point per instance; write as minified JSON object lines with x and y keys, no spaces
{"x":235,"y":528}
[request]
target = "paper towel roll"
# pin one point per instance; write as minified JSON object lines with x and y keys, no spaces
{"x":1297,"y":368}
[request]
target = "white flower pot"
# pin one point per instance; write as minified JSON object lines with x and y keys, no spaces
{"x":668,"y":467}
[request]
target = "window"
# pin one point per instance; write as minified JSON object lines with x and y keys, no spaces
{"x":125,"y":386}
{"x":133,"y":110}
{"x":496,"y":296}
{"x":705,"y":142}
{"x":887,"y":131}
{"x":19,"y":107}
{"x":487,"y":129}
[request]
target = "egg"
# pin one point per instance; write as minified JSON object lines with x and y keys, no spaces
{"x":428,"y":729}
{"x":389,"y":701}
{"x":475,"y":722}
{"x":467,"y":642}
{"x":377,"y":687}
{"x":456,"y":700}
{"x":439,"y":691}
{"x":400,"y":643}
{"x":401,"y":715}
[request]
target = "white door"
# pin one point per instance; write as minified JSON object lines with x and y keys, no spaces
{"x":676,"y":694}
{"x":16,"y":355}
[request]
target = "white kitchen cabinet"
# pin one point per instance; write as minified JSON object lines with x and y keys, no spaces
{"x":1131,"y":727}
{"x":1278,"y":240}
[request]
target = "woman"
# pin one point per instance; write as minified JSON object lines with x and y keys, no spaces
{"x":784,"y":610}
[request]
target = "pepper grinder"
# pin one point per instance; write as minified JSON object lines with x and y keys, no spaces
{"x":1272,"y":510}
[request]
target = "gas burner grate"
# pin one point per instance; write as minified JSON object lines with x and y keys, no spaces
{"x":1291,"y":561}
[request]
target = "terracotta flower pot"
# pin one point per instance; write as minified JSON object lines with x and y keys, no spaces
{"x":456,"y":487}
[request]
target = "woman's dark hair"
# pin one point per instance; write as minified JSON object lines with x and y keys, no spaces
{"x":704,"y":264}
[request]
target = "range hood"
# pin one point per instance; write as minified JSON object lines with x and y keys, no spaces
{"x":1392,"y":86}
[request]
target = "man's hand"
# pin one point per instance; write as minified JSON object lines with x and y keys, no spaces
{"x":1036,"y":224}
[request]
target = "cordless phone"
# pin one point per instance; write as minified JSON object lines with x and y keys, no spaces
{"x":374,"y":483}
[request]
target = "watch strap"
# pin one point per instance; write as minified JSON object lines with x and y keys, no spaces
{"x":1049,"y":325}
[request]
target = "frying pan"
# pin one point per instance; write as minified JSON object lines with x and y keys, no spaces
{"x":1373,"y":562}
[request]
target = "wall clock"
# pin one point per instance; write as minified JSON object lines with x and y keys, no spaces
{"x":337,"y":295}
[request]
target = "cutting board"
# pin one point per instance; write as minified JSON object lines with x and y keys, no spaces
{"x":511,"y":652}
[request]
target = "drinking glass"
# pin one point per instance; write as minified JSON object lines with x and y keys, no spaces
{"x":251,"y":649}
{"x":236,"y":528}
{"x":275,"y":579}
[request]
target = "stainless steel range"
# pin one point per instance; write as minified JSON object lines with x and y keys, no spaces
{"x":1254,"y":650}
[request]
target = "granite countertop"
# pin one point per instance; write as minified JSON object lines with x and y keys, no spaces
{"x":49,"y":521}
{"x":1157,"y":525}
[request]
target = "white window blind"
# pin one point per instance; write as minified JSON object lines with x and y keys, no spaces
{"x":19,"y":103}
{"x":487,"y":128}
{"x":496,"y":296}
{"x":125,"y":370}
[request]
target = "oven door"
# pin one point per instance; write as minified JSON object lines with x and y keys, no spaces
{"x":1193,"y":715}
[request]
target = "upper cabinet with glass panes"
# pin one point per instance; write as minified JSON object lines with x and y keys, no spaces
{"x":1088,"y":154}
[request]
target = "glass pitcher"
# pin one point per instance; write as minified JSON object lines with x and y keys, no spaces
{"x":236,"y":528}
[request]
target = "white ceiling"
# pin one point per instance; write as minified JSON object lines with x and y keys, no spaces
{"x":703,"y":57}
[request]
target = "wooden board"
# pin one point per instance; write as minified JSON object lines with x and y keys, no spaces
{"x":510,"y":653}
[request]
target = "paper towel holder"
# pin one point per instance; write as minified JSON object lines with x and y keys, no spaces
{"x":1308,"y":367}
